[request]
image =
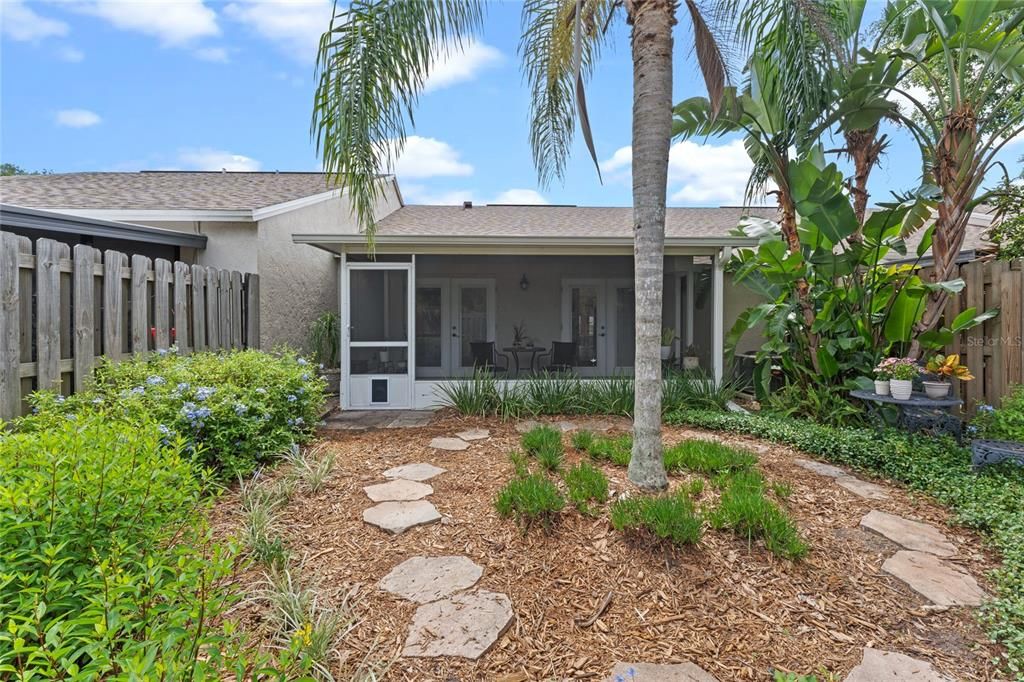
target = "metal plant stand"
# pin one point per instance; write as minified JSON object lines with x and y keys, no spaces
{"x":919,"y":413}
{"x":984,"y":452}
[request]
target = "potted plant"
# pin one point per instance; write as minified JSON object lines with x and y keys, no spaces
{"x":883,"y":373}
{"x":325,"y":343}
{"x":519,"y":337}
{"x":901,"y":381}
{"x":668,"y":337}
{"x":940,"y":369}
{"x":691,"y":360}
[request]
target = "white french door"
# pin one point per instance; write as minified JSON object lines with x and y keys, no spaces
{"x":377,"y":363}
{"x":452,"y":313}
{"x":598,"y":315}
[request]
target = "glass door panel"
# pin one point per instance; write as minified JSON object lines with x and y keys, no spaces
{"x":472,"y":312}
{"x":377,"y":368}
{"x":624,"y":326}
{"x":379,"y":305}
{"x":432,"y":328}
{"x":584,"y":322}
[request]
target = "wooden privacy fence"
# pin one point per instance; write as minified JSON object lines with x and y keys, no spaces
{"x":61,"y":310}
{"x":994,"y":351}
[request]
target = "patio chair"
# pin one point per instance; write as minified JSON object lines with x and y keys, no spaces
{"x":486,"y":356}
{"x":562,"y":357}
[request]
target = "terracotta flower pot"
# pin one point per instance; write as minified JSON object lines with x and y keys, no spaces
{"x":901,"y":388}
{"x":937,"y":389}
{"x":882,"y":386}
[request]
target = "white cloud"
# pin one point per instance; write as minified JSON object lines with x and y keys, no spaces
{"x":919,"y":92}
{"x":208,"y":159}
{"x":77,"y":118}
{"x":294,"y":26}
{"x":455,"y":64}
{"x":414,"y":193}
{"x":19,"y":22}
{"x":426,"y":157}
{"x":698,"y":174}
{"x":520,"y":196}
{"x":212,"y":54}
{"x":70,"y":54}
{"x":173,"y":22}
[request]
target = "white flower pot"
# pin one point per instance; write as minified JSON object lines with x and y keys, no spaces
{"x":691,"y":362}
{"x":901,"y":388}
{"x":882,"y":387}
{"x":666,"y":352}
{"x":937,"y":389}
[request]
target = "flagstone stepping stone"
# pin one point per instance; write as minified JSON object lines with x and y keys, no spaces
{"x":398,"y":517}
{"x":656,"y":672}
{"x":420,"y":471}
{"x":398,"y":490}
{"x":453,"y":444}
{"x":821,"y":468}
{"x":934,"y":579}
{"x":474,"y":434}
{"x":914,"y":535}
{"x":425,"y":579}
{"x":527,"y":425}
{"x":465,"y":625}
{"x":883,"y":666}
{"x":864,"y":489}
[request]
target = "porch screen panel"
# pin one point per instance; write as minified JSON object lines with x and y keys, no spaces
{"x":379,"y":305}
{"x":625,"y":326}
{"x":428,"y":327}
{"x":472,"y":321}
{"x":584,"y":325}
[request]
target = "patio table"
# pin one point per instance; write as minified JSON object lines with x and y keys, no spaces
{"x":516,"y":351}
{"x":919,"y":413}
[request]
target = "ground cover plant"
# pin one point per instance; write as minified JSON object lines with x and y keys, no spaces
{"x":988,"y":500}
{"x":744,"y":508}
{"x":545,"y":443}
{"x":584,"y":484}
{"x":616,"y":449}
{"x":530,"y":499}
{"x":706,"y":457}
{"x":672,"y":517}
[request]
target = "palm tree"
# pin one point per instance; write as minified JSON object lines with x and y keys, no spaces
{"x":377,"y":54}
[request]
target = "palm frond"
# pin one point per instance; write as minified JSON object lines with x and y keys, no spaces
{"x":372,"y":64}
{"x":561,"y":41}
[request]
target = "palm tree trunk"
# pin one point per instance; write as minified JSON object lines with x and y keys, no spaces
{"x":652,"y":22}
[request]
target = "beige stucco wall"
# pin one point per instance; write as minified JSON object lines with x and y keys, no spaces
{"x":229,"y":246}
{"x":739,"y":297}
{"x":299,"y":282}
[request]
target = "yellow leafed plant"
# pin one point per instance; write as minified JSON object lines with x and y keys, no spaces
{"x":948,"y":366}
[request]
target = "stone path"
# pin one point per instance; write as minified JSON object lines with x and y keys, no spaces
{"x":889,"y":666}
{"x":934,"y":579}
{"x":363,"y":420}
{"x":654,"y":672}
{"x":910,"y":534}
{"x":855,"y":485}
{"x":450,"y":621}
{"x":566,"y":426}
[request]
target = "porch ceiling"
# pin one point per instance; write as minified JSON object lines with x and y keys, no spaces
{"x":514,"y":245}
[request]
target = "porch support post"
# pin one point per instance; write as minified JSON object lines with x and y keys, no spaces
{"x":718,"y":312}
{"x":343,"y":392}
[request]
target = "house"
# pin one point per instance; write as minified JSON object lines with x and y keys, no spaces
{"x":234,"y":221}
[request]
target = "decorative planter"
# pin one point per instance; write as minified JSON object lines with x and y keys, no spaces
{"x":937,"y":389}
{"x":666,"y":352}
{"x":333,"y":379}
{"x":691,"y":362}
{"x":882,"y":387}
{"x":901,"y":388}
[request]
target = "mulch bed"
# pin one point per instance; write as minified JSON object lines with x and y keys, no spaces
{"x":731,"y":608}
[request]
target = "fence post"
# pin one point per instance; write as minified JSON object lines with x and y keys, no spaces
{"x":48,"y":255}
{"x":236,"y":309}
{"x":83,"y":281}
{"x":224,"y":305}
{"x":213,"y":309}
{"x":140,"y":304}
{"x":199,"y":307}
{"x":252,"y":310}
{"x":162,"y":303}
{"x":1012,"y":314}
{"x":11,"y":249}
{"x":181,"y":321}
{"x":974,"y":276}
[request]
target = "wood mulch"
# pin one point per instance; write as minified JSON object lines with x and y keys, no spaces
{"x":731,"y":608}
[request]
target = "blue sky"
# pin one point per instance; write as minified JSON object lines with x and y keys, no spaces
{"x":113,"y":85}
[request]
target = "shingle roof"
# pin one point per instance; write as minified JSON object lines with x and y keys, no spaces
{"x":555,"y":221}
{"x":160,"y":190}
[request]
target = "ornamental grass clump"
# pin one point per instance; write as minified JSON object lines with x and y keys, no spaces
{"x":617,"y":450}
{"x":529,"y":500}
{"x":545,"y":443}
{"x":706,"y":457}
{"x":744,"y":509}
{"x":672,"y":518}
{"x":584,"y":484}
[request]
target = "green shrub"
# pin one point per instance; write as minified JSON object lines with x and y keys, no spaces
{"x":745,"y":510}
{"x":666,"y":517}
{"x":476,"y":395}
{"x":608,"y":396}
{"x":706,"y":457}
{"x":106,"y":567}
{"x":530,"y":499}
{"x":236,"y":410}
{"x":988,"y":500}
{"x":553,"y":394}
{"x":617,"y":450}
{"x":545,"y":443}
{"x":697,"y":391}
{"x":1005,"y":423}
{"x":829,"y":405}
{"x":585,"y":483}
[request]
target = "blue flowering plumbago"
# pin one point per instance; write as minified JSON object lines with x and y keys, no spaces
{"x":302,"y":362}
{"x":155,"y":380}
{"x":291,"y":397}
{"x":204,"y":392}
{"x":241,"y":409}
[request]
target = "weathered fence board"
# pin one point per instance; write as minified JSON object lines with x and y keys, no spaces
{"x":59,"y":313}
